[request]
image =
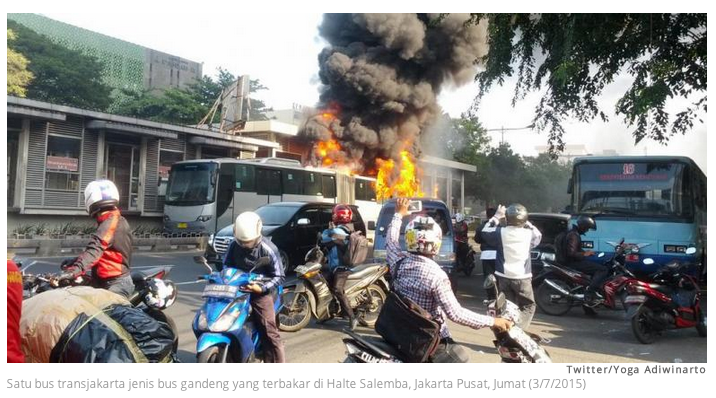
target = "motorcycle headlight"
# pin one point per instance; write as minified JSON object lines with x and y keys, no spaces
{"x":202,"y":323}
{"x":224,"y":322}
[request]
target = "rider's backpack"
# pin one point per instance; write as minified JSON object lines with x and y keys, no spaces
{"x":356,"y":251}
{"x":560,"y":247}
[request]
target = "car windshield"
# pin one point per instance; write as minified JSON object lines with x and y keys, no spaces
{"x":633,"y":189}
{"x":276,"y":215}
{"x":549,"y":227}
{"x":191,"y":184}
{"x":439,"y":215}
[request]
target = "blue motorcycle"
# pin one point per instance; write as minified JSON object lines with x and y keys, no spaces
{"x":223,"y":326}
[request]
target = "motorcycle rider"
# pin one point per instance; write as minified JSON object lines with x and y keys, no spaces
{"x":513,"y":264}
{"x":487,"y":252}
{"x":573,"y":256}
{"x":335,"y":240}
{"x":462,"y":248}
{"x":243,"y":253}
{"x":109,"y":252}
{"x":423,"y":281}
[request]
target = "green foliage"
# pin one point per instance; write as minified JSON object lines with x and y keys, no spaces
{"x":582,"y":53}
{"x":187,"y":106}
{"x":62,"y":76}
{"x":18,"y":77}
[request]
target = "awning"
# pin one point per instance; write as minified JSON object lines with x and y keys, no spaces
{"x":36,"y":113}
{"x":222,"y":143}
{"x":129,"y":128}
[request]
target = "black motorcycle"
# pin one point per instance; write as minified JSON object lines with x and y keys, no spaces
{"x":366,"y":290}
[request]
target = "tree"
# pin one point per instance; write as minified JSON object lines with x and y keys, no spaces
{"x":582,"y":53}
{"x":62,"y":76}
{"x":18,"y":77}
{"x":188,"y":105}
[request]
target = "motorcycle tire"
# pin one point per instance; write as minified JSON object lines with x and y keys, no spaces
{"x":162,"y":317}
{"x":378,"y":297}
{"x":350,"y":359}
{"x":642,"y":328}
{"x":302,"y":306}
{"x":545,"y":301}
{"x":470,"y":266}
{"x":211,"y":355}
{"x":701,"y":324}
{"x":589,"y":311}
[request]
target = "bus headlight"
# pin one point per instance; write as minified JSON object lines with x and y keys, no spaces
{"x":203,"y":218}
{"x":167,"y":219}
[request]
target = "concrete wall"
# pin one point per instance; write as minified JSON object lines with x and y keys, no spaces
{"x":15,"y":220}
{"x":162,"y":70}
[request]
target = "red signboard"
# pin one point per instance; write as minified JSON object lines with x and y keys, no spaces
{"x":62,"y":163}
{"x":164,"y":171}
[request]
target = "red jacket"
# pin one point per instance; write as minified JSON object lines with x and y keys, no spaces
{"x":14,"y":309}
{"x":110,"y":248}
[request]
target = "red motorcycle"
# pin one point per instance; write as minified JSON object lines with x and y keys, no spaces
{"x":559,"y":288}
{"x":671,"y":300}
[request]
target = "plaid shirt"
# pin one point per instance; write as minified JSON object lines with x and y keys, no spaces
{"x":423,"y":281}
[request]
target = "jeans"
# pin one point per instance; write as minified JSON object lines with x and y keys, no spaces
{"x":519,"y":291}
{"x":449,"y":352}
{"x":121,"y":285}
{"x":340,"y":276}
{"x":265,"y":321}
{"x":598,"y":273}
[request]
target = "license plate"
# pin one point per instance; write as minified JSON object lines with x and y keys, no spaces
{"x":220,"y":291}
{"x":181,"y":225}
{"x":634,"y":299}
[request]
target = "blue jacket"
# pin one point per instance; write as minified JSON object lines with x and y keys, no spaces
{"x":334,"y":240}
{"x":245,"y":259}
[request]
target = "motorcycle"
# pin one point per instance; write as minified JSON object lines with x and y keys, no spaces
{"x":513,"y":346}
{"x":366,"y":289}
{"x":224,"y":329}
{"x":465,"y":255}
{"x":560,"y":288}
{"x":145,"y":283}
{"x":670,"y":300}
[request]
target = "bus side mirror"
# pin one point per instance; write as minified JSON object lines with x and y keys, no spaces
{"x":371,"y":225}
{"x":569,"y":186}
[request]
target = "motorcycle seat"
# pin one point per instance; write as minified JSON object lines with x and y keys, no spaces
{"x":362,"y":270}
{"x":144,"y":274}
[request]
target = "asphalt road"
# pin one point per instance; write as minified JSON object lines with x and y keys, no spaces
{"x":575,"y":337}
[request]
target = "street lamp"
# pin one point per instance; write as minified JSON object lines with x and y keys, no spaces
{"x":503,"y":129}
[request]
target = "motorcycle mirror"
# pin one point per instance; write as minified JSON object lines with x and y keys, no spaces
{"x":202,"y":260}
{"x":490,"y":282}
{"x":501,"y":302}
{"x":600,"y":255}
{"x":691,"y":250}
{"x":648,"y":261}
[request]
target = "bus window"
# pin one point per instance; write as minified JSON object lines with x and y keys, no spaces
{"x":312,"y":184}
{"x":244,"y":178}
{"x":293,"y":182}
{"x":329,"y":186}
{"x":268,"y":182}
{"x":364,"y":190}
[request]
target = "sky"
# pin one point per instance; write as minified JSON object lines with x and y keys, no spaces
{"x":281,"y":50}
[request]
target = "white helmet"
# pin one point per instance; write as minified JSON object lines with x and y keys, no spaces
{"x":247,"y":228}
{"x":459,"y":217}
{"x":160,"y":294}
{"x":99,"y":195}
{"x":423,"y":236}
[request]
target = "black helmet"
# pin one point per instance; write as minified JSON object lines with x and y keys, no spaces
{"x":516,"y":215}
{"x":585,"y":223}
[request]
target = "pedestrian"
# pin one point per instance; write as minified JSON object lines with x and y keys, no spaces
{"x":246,"y":252}
{"x":513,"y":263}
{"x":487,"y":252}
{"x":420,"y":278}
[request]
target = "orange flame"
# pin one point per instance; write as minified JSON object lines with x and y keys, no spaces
{"x":407,"y":185}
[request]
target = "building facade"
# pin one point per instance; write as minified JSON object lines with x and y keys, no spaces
{"x":55,"y":151}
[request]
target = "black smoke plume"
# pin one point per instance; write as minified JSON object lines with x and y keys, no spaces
{"x":381,"y":75}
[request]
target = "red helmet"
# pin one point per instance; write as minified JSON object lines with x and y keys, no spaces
{"x":342,"y":214}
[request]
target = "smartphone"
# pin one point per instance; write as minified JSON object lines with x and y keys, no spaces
{"x":415,"y":206}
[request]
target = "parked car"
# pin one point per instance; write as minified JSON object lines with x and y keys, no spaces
{"x":292,"y":226}
{"x":431,"y":207}
{"x":550,"y":225}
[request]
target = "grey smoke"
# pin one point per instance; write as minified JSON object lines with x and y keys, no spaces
{"x":382,"y":73}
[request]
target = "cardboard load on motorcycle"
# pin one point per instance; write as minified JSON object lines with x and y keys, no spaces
{"x":52,"y":316}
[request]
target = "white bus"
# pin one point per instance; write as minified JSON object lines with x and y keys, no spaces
{"x":203,"y":196}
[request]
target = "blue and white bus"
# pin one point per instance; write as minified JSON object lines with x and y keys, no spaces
{"x":203,"y":196}
{"x":657,"y":203}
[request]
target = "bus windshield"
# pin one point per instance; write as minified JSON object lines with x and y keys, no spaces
{"x":647,"y":189}
{"x":191,"y":184}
